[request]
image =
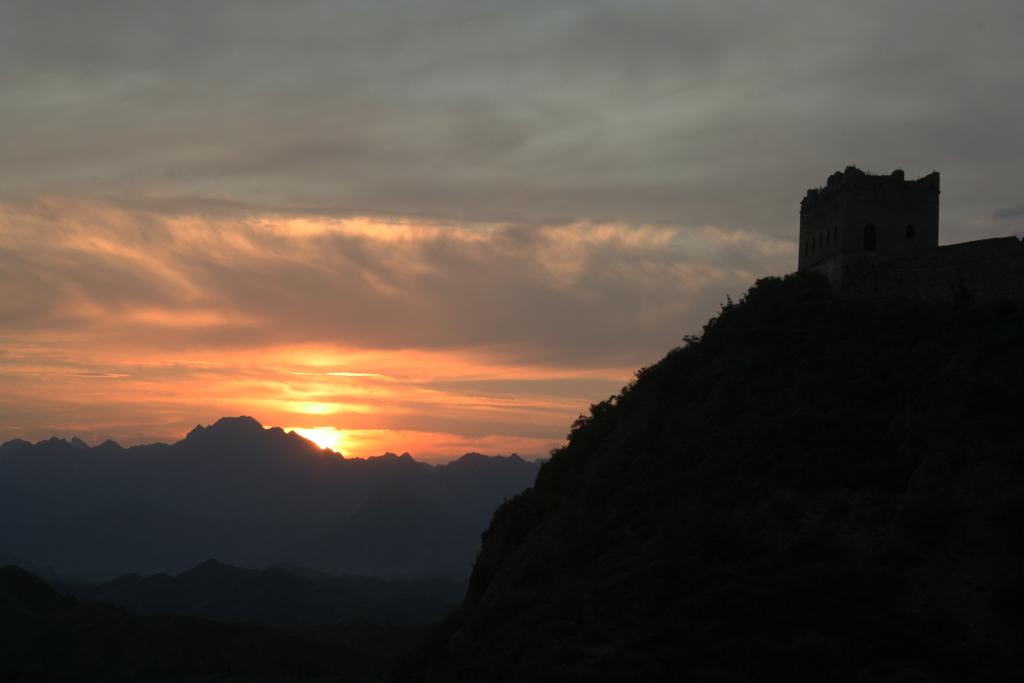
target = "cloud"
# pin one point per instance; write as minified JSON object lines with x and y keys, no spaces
{"x":566,"y":293}
{"x":137,"y":324}
{"x":211,"y":197}
{"x":1010,"y":214}
{"x":546,"y":113}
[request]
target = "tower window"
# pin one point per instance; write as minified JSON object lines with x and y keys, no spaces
{"x":869,"y":237}
{"x":910,"y":232}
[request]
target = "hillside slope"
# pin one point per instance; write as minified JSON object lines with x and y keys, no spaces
{"x":278,"y":597}
{"x":811,"y":490}
{"x":45,"y":637}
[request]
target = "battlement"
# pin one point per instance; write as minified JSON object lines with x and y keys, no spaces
{"x":854,"y":179}
{"x":877,"y":237}
{"x":858,"y":212}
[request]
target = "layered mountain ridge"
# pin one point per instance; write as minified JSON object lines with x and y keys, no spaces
{"x":247,"y":496}
{"x":49,"y":638}
{"x":285,"y":596}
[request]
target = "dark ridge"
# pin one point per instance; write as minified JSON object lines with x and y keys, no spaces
{"x":12,"y":445}
{"x":233,"y":490}
{"x":286,"y":596}
{"x":45,"y":637}
{"x":812,"y":489}
{"x":25,"y":597}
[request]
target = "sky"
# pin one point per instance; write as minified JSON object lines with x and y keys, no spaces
{"x":442,"y":227}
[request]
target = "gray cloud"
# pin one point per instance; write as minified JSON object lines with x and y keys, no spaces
{"x":1010,"y":214}
{"x":534,"y":113}
{"x":570,"y":186}
{"x":575,"y":295}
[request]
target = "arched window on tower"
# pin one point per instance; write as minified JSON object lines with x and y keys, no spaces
{"x":869,"y":237}
{"x":910,"y":232}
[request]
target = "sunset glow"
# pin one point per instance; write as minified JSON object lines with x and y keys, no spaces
{"x":324,"y":437}
{"x":448,"y":238}
{"x":362,"y":365}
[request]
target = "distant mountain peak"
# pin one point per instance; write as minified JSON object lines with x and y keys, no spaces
{"x":476,"y":460}
{"x":240,"y":424}
{"x":389,"y":456}
{"x":79,"y":444}
{"x":110,"y":445}
{"x":13,"y":444}
{"x":239,"y":428}
{"x":474,"y":456}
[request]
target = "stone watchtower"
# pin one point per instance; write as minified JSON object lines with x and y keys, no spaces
{"x":858,"y":217}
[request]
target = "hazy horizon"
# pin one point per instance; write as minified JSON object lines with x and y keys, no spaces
{"x":310,"y":435}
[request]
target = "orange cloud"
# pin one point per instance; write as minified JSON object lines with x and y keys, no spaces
{"x":370,"y":335}
{"x":430,"y":404}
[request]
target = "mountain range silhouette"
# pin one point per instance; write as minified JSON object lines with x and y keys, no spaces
{"x":247,"y":496}
{"x":49,"y":638}
{"x":811,"y":489}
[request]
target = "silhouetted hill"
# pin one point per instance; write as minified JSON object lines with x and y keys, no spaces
{"x":45,"y":573}
{"x":25,"y":599}
{"x":233,"y":490}
{"x":284,"y":596}
{"x":812,"y":490}
{"x":46,"y":637}
{"x":394,"y":533}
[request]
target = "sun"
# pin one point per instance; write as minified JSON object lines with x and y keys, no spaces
{"x":324,"y":437}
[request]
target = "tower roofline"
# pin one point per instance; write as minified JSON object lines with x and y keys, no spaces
{"x":854,"y":179}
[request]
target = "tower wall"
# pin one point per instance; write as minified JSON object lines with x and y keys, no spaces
{"x":981,"y":271}
{"x":834,"y":221}
{"x":834,"y":218}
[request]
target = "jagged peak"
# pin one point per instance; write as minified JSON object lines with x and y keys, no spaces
{"x":477,"y":459}
{"x":392,"y":457}
{"x":229,"y":426}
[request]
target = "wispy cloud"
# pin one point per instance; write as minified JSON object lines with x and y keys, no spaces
{"x":491,"y":333}
{"x":91,"y":271}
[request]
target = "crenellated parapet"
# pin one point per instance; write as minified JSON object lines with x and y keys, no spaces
{"x":855,"y":180}
{"x":877,"y":237}
{"x":857,"y":212}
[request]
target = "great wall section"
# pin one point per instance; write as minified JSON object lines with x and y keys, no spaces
{"x":876,"y":237}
